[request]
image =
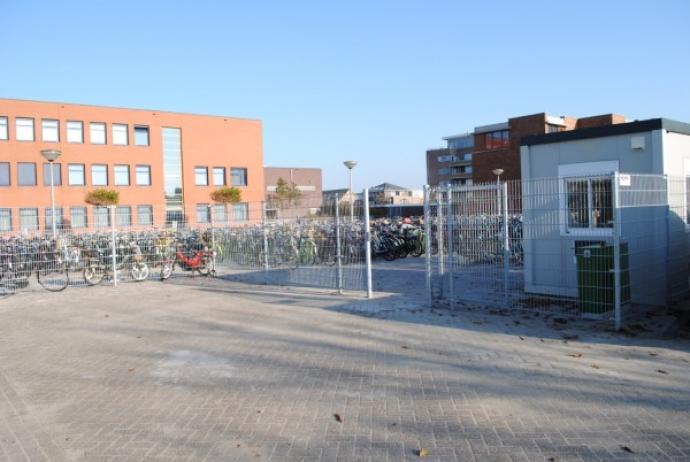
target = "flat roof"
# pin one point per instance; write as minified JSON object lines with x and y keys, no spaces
{"x":129,"y":108}
{"x":638,"y":126}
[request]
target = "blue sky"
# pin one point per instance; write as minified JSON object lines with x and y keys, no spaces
{"x":379,"y":82}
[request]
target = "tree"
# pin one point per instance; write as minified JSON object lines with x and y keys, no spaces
{"x":286,"y":195}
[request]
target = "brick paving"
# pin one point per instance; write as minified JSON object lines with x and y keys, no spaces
{"x":199,"y":370}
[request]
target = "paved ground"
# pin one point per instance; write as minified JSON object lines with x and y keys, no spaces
{"x":201,"y":370}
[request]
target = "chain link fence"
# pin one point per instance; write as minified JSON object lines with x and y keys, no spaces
{"x":592,"y":246}
{"x":287,"y":244}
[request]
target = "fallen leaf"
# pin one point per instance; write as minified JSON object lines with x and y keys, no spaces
{"x":521,"y":338}
{"x":337,"y":418}
{"x":541,"y":340}
{"x":594,"y":366}
{"x":131,"y":370}
{"x":575,"y":355}
{"x":423,"y":452}
{"x":627,"y":449}
{"x":107,"y":316}
{"x":405,"y":347}
{"x":653,"y":354}
{"x":661,"y":371}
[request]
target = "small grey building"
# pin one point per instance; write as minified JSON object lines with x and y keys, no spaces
{"x":580,"y":187}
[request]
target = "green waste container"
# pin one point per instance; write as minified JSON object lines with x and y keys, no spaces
{"x":595,"y":277}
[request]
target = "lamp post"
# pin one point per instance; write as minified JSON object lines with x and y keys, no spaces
{"x":51,"y":156}
{"x":498,"y":172}
{"x":350,"y":164}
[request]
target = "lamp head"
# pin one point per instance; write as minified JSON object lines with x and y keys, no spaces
{"x":51,"y":154}
{"x":498,"y":171}
{"x":350,"y":164}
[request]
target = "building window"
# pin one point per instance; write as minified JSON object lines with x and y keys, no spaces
{"x":589,"y":202}
{"x":467,"y":156}
{"x":145,"y":214}
{"x":26,"y":174}
{"x":99,"y":175}
{"x":28,"y":219}
{"x":121,"y":175}
{"x":57,"y":173}
{"x":444,"y":171}
{"x":240,"y":212}
{"x":77,"y":217}
{"x":4,"y":173}
{"x":239,"y":176}
{"x":218,"y":176}
{"x":497,"y":139}
{"x":4,"y":132}
{"x":75,"y":175}
{"x":50,"y":130}
{"x":5,"y":219}
{"x":49,"y":218}
{"x":97,"y":133}
{"x":220,"y":213}
{"x":24,"y":129}
{"x":123,"y":215}
{"x":143,"y":175}
{"x":202,"y":213}
{"x":461,"y":143}
{"x":101,"y":217}
{"x":141,"y":135}
{"x":201,"y":176}
{"x":120,"y":136}
{"x":75,"y":131}
{"x":553,"y":128}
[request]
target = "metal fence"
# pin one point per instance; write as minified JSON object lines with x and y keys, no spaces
{"x":588,"y":245}
{"x":296,"y":244}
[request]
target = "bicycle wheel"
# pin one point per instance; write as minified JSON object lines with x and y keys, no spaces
{"x":53,"y":276}
{"x":93,"y":272}
{"x":166,"y":270}
{"x":139,"y":271}
{"x":205,"y":266}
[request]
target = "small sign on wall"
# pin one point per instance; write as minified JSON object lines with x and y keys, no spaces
{"x":624,"y":180}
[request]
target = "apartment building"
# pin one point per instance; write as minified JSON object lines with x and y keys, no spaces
{"x":308,"y":181}
{"x":163,"y":164}
{"x":472,"y":157}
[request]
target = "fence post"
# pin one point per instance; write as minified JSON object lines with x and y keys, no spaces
{"x":113,"y":238}
{"x":213,"y":240}
{"x":506,"y":244}
{"x":265,"y":239}
{"x":427,"y":243}
{"x":439,"y":231}
{"x":367,"y":243}
{"x":449,"y":220}
{"x":338,"y":249}
{"x":617,"y":292}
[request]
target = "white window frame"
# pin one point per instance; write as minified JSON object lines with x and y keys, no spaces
{"x":121,"y":167}
{"x":54,"y":129}
{"x":92,"y":126}
{"x":93,"y":183}
{"x":197,"y":172}
{"x":21,"y":130}
{"x":148,"y":174}
{"x":118,"y":132}
{"x":83,"y":175}
{"x":584,"y":171}
{"x":213,"y":176}
{"x":71,"y":127}
{"x":4,"y":128}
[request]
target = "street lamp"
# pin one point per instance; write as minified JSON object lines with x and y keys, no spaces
{"x":51,"y":156}
{"x":350,"y":164}
{"x":498,"y":172}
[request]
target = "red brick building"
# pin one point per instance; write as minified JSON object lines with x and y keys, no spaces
{"x":472,"y":157}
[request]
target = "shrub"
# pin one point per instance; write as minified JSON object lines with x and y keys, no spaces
{"x":102,"y":197}
{"x":226,"y":195}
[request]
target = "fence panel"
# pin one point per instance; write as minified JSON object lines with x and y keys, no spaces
{"x":592,"y":245}
{"x":293,"y":244}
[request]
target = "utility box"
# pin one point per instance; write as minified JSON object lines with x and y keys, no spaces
{"x":596,"y":278}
